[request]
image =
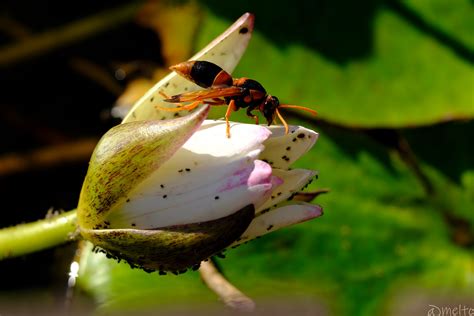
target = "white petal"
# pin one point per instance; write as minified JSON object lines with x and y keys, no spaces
{"x":293,"y":181}
{"x":226,"y":191}
{"x":206,"y":157}
{"x":196,"y":175}
{"x":281,"y":149}
{"x":211,"y":139}
{"x":278,"y":218}
{"x":225,"y":51}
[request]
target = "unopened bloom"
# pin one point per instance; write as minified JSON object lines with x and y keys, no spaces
{"x":167,"y":195}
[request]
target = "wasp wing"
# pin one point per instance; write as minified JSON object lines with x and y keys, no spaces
{"x":205,"y":94}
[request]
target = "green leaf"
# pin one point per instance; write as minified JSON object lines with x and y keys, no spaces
{"x":448,"y":161}
{"x":365,"y":65}
{"x":454,"y":20}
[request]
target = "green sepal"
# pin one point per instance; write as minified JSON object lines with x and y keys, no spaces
{"x":175,"y":248}
{"x":125,"y":156}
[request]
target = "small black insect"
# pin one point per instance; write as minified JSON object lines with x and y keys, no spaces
{"x":222,"y":89}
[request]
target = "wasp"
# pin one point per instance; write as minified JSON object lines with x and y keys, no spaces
{"x":222,"y":89}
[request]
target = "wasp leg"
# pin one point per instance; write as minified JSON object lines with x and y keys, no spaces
{"x":230,"y":109}
{"x":282,"y":120}
{"x":192,"y":105}
{"x":215,"y":102}
{"x":176,"y":109}
{"x":188,"y":107}
{"x":254,"y":116}
{"x":163,"y":94}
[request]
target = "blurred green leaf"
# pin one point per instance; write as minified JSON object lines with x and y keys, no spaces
{"x":455,"y":20}
{"x":448,"y":160}
{"x":397,"y":75}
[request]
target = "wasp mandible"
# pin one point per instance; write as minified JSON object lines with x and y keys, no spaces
{"x":222,"y":89}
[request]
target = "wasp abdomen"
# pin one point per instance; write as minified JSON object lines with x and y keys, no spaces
{"x":207,"y":74}
{"x":203,"y":73}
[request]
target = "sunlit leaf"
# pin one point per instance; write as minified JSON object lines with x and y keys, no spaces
{"x":359,"y":64}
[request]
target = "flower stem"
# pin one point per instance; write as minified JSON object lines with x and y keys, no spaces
{"x":31,"y":237}
{"x":229,"y":294}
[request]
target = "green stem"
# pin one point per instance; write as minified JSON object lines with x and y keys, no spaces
{"x":31,"y":237}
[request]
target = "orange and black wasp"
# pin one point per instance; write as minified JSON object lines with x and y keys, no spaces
{"x":222,"y":89}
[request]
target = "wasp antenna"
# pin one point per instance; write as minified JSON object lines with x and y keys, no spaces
{"x":282,"y":120}
{"x":299,"y":108}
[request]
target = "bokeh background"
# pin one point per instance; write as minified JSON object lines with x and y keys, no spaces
{"x":392,"y":82}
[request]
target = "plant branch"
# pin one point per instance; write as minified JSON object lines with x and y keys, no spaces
{"x":229,"y":294}
{"x":97,"y":74}
{"x":31,"y":237}
{"x":49,"y":40}
{"x":79,"y":150}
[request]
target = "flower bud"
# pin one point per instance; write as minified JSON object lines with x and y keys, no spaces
{"x":124,"y":159}
{"x":165,"y":195}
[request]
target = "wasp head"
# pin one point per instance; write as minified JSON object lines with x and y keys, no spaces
{"x":269,"y":108}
